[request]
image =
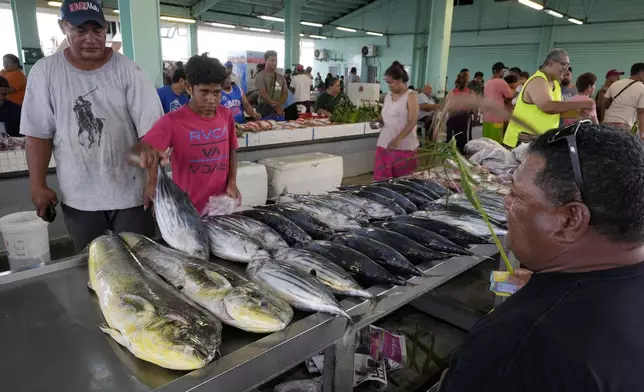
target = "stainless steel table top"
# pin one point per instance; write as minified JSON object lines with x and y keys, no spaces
{"x":49,"y":336}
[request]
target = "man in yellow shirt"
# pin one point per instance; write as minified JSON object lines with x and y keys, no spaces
{"x":539,"y":103}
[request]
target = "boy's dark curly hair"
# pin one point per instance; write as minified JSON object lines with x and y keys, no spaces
{"x":205,"y":70}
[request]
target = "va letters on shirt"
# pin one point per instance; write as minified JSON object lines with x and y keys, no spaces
{"x":209,"y":143}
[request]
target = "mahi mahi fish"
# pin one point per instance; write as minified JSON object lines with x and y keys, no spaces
{"x":231,"y":297}
{"x":299,"y":289}
{"x":324,"y":270}
{"x":144,"y":314}
{"x":179,"y":222}
{"x":231,"y":244}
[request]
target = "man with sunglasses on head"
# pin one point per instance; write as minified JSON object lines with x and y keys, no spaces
{"x":88,"y":105}
{"x":576,"y":219}
{"x":539,"y":103}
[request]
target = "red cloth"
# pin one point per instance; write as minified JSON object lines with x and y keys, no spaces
{"x":201,"y":150}
{"x":391,"y":164}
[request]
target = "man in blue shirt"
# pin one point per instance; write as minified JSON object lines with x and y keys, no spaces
{"x":174,"y":96}
{"x":234,"y":99}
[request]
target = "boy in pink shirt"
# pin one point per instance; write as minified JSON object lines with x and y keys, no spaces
{"x":202,"y":136}
{"x":586,"y":89}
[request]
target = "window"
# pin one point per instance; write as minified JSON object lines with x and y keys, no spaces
{"x":463,"y":2}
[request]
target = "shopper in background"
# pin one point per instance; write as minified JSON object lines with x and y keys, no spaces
{"x":539,"y":104}
{"x":497,"y":90}
{"x":465,"y":75}
{"x":200,"y":170}
{"x":302,"y":85}
{"x":174,"y":96}
{"x":476,"y":84}
{"x":12,"y":71}
{"x":459,"y":121}
{"x":229,"y":70}
{"x":624,"y":101}
{"x":327,"y":81}
{"x":342,"y":83}
{"x":523,"y":78}
{"x":308,"y":72}
{"x":568,"y":91}
{"x":577,"y":324}
{"x":272,"y":88}
{"x":9,"y":111}
{"x":233,"y":98}
{"x":398,"y":141}
{"x":330,"y":98}
{"x":352,"y":78}
{"x":585,"y":90}
{"x":89,"y":122}
{"x":611,"y":77}
{"x":290,"y":107}
{"x":287,"y":75}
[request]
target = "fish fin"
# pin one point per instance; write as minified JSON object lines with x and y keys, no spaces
{"x":139,"y":303}
{"x":116,"y":335}
{"x":89,"y":286}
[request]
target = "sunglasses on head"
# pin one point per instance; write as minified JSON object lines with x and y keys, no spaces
{"x":570,"y":134}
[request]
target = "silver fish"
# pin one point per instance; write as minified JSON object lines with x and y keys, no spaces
{"x":144,"y":314}
{"x":351,"y":210}
{"x":300,"y":290}
{"x":267,"y":237}
{"x":179,"y":222}
{"x":234,"y":299}
{"x":231,"y":244}
{"x":466,"y":222}
{"x":373,"y":209}
{"x":336,"y":220}
{"x":327,"y":272}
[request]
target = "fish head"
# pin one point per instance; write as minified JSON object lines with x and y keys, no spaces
{"x":178,"y":342}
{"x":253,"y":309}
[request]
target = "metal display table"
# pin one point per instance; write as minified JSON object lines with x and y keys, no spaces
{"x":49,"y":337}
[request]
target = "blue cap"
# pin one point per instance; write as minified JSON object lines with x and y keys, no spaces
{"x":79,"y":12}
{"x":229,"y":64}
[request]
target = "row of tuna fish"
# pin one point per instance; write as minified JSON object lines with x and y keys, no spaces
{"x":167,"y":305}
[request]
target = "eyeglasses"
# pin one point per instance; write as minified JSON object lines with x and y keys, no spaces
{"x":570,"y":134}
{"x":564,"y":64}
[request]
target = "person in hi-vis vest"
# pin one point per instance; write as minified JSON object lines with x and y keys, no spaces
{"x":539,"y":102}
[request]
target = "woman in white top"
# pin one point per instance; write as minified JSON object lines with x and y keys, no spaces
{"x":398,"y":141}
{"x":301,"y":82}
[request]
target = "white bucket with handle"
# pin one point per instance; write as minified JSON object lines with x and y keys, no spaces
{"x":26,"y":239}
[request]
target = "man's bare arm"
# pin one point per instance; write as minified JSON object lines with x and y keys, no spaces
{"x":429,"y":106}
{"x":38,"y":156}
{"x":640,"y":119}
{"x":537,"y":91}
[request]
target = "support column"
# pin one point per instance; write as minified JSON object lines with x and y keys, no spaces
{"x":292,"y":30}
{"x":546,"y":44}
{"x":194,"y":44}
{"x":440,"y":31}
{"x":140,"y":28}
{"x":420,"y":43}
{"x":26,"y":25}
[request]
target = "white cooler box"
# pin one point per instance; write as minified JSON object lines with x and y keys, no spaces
{"x":252,"y":182}
{"x":314,"y":173}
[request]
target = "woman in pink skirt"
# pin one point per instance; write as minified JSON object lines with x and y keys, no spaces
{"x":397,"y":143}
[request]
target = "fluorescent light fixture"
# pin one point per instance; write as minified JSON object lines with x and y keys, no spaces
{"x":317,"y":36}
{"x":223,"y":25}
{"x":259,"y":30}
{"x":376,"y":34}
{"x":312,"y":24}
{"x":116,"y":11}
{"x":175,"y":19}
{"x":554,"y":13}
{"x":301,"y":35}
{"x":575,"y":21}
{"x":346,"y":29}
{"x":273,"y":18}
{"x":55,"y":3}
{"x":531,"y":4}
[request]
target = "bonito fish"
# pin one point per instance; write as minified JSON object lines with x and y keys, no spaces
{"x":466,"y":222}
{"x":327,"y":272}
{"x":300,"y":290}
{"x":336,"y":220}
{"x":232,"y":245}
{"x":179,"y":222}
{"x":267,"y":237}
{"x":231,"y":297}
{"x":147,"y":316}
{"x":373,"y":209}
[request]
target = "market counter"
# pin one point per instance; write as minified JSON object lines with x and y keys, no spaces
{"x":50,"y":338}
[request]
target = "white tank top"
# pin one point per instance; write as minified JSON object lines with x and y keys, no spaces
{"x":394,"y":115}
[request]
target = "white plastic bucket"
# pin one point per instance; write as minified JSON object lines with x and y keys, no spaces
{"x":26,"y":239}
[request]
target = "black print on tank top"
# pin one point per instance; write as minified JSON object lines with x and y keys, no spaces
{"x":87,"y":122}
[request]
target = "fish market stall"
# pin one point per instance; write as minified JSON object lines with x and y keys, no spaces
{"x":50,"y":337}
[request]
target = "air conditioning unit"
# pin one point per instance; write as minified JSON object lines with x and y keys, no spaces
{"x":369,"y":51}
{"x":321,"y":54}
